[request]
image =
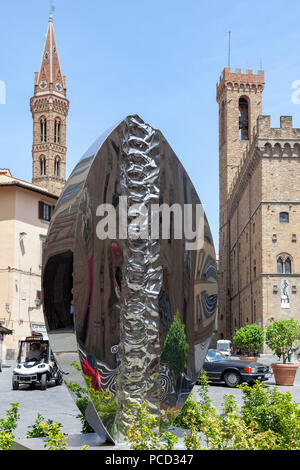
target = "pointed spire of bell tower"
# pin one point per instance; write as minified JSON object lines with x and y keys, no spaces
{"x":49,"y":108}
{"x":50,"y":77}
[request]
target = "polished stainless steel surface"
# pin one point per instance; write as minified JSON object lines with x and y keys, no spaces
{"x":144,"y":306}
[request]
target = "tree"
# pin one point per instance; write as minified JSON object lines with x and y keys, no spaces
{"x":175,"y":348}
{"x":249,"y":338}
{"x":281,"y":335}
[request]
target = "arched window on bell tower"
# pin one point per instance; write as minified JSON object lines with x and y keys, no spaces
{"x":243,"y":118}
{"x":42,"y":165}
{"x":43,"y":129}
{"x":57,"y":126}
{"x":57,"y":166}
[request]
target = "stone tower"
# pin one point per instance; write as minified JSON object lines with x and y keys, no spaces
{"x":240,"y":103}
{"x":49,"y":107}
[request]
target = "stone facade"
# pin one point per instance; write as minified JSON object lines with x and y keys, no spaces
{"x":26,"y":209}
{"x":23,"y":230}
{"x":259,"y":264}
{"x":49,"y":107}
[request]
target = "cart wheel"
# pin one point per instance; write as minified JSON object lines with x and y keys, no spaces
{"x":15,"y":385}
{"x":59,"y":379}
{"x":44,"y":382}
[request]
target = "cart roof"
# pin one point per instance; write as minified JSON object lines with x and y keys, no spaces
{"x":37,"y":338}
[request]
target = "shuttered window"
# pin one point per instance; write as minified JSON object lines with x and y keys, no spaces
{"x":45,"y":211}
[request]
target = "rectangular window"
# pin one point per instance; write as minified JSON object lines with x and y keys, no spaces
{"x":45,"y":211}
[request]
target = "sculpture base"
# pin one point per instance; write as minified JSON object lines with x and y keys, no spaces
{"x":94,"y":442}
{"x":74,"y":442}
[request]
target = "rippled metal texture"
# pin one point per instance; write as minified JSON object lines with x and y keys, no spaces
{"x":144,"y":308}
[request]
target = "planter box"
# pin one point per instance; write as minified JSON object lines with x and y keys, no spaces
{"x":284,"y":373}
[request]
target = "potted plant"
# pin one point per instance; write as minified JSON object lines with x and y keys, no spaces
{"x":280,"y":338}
{"x":249,"y":338}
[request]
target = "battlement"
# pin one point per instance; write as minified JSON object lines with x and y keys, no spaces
{"x":263,"y":129}
{"x":272,"y":142}
{"x":237,"y":81}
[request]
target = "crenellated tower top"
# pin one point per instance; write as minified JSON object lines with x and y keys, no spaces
{"x":240,"y":81}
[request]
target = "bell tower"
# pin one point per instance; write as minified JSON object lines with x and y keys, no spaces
{"x":240,"y":103}
{"x":49,"y":107}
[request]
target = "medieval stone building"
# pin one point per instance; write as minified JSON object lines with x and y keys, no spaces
{"x":26,"y":208}
{"x":259,"y":176}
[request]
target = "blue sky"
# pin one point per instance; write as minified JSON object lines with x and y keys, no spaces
{"x":160,"y":59}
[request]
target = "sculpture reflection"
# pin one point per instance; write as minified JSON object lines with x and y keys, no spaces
{"x":144,"y":308}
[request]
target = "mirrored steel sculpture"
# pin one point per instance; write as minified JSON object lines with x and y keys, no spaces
{"x":125,"y":293}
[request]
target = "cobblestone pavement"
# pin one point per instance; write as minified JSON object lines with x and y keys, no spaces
{"x":56,"y":403}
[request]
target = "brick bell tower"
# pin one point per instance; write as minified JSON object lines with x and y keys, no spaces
{"x":240,"y":103}
{"x":49,"y":107}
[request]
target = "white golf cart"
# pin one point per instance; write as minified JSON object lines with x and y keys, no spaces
{"x":223,"y":345}
{"x":36,"y":363}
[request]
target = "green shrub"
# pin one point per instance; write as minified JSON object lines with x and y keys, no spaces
{"x":6,"y":440}
{"x":249,"y":338}
{"x":281,"y":336}
{"x":103,"y":401}
{"x":55,"y":439}
{"x":195,"y":410}
{"x":37,"y":429}
{"x":8,"y":425}
{"x":142,"y":432}
{"x":271,"y":410}
{"x":269,"y":420}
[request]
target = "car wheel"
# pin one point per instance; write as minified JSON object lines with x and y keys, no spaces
{"x":232,"y":378}
{"x":44,"y":382}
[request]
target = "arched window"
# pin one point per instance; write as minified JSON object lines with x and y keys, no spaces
{"x":288,"y":266}
{"x":277,"y":150}
{"x":279,"y":266}
{"x":243,"y":118}
{"x":42,"y":165}
{"x":284,"y":264}
{"x":43,"y":127}
{"x":284,"y":217}
{"x":57,"y":166}
{"x":57,"y":124}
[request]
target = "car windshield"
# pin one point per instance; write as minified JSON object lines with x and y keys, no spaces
{"x":33,"y":351}
{"x":213,"y":355}
{"x":223,"y":347}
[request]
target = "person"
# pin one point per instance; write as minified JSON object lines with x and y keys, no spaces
{"x":34,"y":353}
